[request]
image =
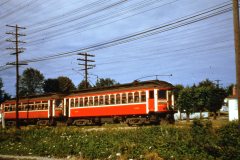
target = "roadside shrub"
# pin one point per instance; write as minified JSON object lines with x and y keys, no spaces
{"x":229,"y":141}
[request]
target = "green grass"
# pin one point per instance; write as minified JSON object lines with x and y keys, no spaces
{"x":199,"y":140}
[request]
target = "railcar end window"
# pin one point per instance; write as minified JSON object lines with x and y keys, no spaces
{"x":162,"y":94}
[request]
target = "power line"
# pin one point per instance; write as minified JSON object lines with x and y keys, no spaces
{"x":145,"y":33}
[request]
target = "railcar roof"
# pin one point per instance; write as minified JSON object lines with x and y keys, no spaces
{"x":134,"y":85}
{"x":38,"y":97}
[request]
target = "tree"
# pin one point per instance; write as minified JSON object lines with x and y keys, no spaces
{"x":31,"y":82}
{"x":206,"y":83}
{"x":202,"y":96}
{"x":65,"y":84}
{"x":81,"y":85}
{"x":216,"y":97}
{"x":177,"y":89}
{"x":186,"y":101}
{"x":51,"y":85}
{"x":106,"y":82}
{"x":3,"y":95}
{"x":229,"y":89}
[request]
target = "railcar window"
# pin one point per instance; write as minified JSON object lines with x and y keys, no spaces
{"x":136,"y":97}
{"x":81,"y":102}
{"x":76,"y":102}
{"x":107,"y":100}
{"x":90,"y":101}
{"x":96,"y":101}
{"x":39,"y":106}
{"x":151,"y":94}
{"x":143,"y":96}
{"x":118,"y":99}
{"x":86,"y":101}
{"x":162,"y":94}
{"x":58,"y":103}
{"x":72,"y":102}
{"x":112,"y":99}
{"x":46,"y":106}
{"x":124,"y":98}
{"x":101,"y":100}
{"x":130,"y":98}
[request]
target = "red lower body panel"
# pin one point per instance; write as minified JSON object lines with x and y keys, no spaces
{"x":108,"y":110}
{"x":27,"y":114}
{"x":162,"y":107}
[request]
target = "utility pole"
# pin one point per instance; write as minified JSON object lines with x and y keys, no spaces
{"x":218,"y":83}
{"x":237,"y":51}
{"x":86,"y":65}
{"x":18,"y":50}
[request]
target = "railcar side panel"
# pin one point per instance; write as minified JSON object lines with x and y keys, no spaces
{"x":129,"y":109}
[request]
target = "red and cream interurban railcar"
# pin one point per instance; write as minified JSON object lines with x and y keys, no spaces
{"x":41,"y":110}
{"x":133,"y":103}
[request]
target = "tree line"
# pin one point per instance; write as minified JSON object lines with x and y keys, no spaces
{"x":33,"y":82}
{"x":206,"y":96}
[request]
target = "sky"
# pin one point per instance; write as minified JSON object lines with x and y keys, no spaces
{"x":185,"y":42}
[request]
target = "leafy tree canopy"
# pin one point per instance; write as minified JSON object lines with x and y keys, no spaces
{"x":65,"y":84}
{"x":31,"y":82}
{"x":206,"y":83}
{"x":51,"y":86}
{"x":217,"y":96}
{"x":186,"y":101}
{"x":229,"y":89}
{"x":106,"y":82}
{"x":202,"y":96}
{"x":3,"y":95}
{"x":81,"y":85}
{"x":177,"y":89}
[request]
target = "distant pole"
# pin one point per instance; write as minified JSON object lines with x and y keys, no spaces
{"x":17,"y":81}
{"x":86,"y":72}
{"x":86,"y":65}
{"x":237,"y":51}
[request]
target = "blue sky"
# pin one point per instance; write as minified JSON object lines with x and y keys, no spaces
{"x":190,"y":53}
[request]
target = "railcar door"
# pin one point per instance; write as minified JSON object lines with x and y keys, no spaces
{"x":50,"y":109}
{"x":151,"y":101}
{"x":66,"y":106}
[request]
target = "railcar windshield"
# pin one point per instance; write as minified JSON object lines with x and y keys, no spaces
{"x":162,"y":94}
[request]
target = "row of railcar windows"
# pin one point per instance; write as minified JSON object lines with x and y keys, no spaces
{"x":110,"y":99}
{"x":27,"y":107}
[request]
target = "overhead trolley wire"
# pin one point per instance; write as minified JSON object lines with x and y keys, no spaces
{"x":156,"y":30}
{"x":175,"y":24}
